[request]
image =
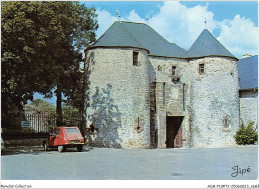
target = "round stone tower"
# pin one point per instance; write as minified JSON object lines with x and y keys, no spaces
{"x":214,"y":97}
{"x":119,"y":98}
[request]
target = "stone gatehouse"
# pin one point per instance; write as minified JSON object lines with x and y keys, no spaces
{"x":145,"y":92}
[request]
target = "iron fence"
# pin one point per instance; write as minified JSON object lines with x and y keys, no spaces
{"x":43,"y":122}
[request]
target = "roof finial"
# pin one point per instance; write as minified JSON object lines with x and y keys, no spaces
{"x":205,"y":23}
{"x":118,"y":15}
{"x":147,"y":19}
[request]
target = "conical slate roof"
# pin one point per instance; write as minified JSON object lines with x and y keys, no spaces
{"x":117,"y":36}
{"x":207,"y":45}
{"x":130,"y":34}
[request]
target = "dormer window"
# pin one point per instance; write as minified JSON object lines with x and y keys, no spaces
{"x":173,"y":70}
{"x":201,"y":68}
{"x":135,"y":58}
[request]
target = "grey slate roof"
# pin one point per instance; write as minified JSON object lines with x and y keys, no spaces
{"x":140,"y":35}
{"x":207,"y":45}
{"x":117,"y":36}
{"x":248,"y":72}
{"x":130,"y":34}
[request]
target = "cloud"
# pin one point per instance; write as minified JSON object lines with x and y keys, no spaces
{"x":105,"y":19}
{"x":134,"y":17}
{"x":239,"y":36}
{"x":175,"y":22}
{"x":182,"y":25}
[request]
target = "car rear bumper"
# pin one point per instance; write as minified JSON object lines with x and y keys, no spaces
{"x":73,"y":144}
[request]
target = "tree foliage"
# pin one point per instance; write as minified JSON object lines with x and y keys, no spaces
{"x":246,"y":134}
{"x":71,"y":116}
{"x":41,"y":48}
{"x":39,"y":106}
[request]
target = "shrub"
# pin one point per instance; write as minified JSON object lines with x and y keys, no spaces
{"x":27,"y":130}
{"x":246,"y":134}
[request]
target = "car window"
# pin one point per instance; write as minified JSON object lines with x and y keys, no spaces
{"x":57,"y":132}
{"x":72,"y":130}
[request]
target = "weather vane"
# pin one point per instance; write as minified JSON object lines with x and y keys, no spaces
{"x":118,"y":14}
{"x":147,"y":18}
{"x":205,"y":21}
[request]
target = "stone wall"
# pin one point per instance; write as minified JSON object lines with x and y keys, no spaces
{"x":249,"y":106}
{"x":129,"y":104}
{"x":119,"y":98}
{"x":214,"y":102}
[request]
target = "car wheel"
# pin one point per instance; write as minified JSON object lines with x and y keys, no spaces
{"x":45,"y":147}
{"x":60,"y":148}
{"x":79,"y":147}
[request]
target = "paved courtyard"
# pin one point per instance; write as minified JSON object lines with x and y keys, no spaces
{"x":240,"y":163}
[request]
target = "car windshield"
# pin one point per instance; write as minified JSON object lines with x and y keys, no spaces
{"x":72,"y":131}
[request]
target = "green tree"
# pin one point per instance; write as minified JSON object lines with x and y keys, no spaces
{"x":41,"y":49}
{"x":78,"y":97}
{"x":71,"y":116}
{"x":40,"y":113}
{"x":40,"y":106}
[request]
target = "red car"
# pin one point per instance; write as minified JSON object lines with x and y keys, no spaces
{"x":65,"y":137}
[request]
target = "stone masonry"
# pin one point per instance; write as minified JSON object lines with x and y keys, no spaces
{"x":139,"y":100}
{"x":120,"y":100}
{"x":214,"y":102}
{"x":248,"y":106}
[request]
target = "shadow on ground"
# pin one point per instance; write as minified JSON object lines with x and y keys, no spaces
{"x":38,"y":151}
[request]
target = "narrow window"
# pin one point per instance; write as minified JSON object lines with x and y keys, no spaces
{"x":201,"y":69}
{"x":183,"y":96}
{"x":159,"y":68}
{"x":174,"y":70}
{"x":138,"y":124}
{"x":163,"y":93}
{"x":226,"y":122}
{"x":135,"y":58}
{"x":92,"y":128}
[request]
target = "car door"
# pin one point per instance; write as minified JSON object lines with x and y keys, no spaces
{"x":58,"y":136}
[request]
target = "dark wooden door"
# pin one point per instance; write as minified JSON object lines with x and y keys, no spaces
{"x":174,"y":131}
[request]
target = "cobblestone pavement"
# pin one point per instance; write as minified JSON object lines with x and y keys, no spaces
{"x":123,"y":164}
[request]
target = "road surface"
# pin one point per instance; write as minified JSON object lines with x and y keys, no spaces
{"x":239,"y":163}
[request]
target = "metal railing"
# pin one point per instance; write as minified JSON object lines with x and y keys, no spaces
{"x":43,"y":122}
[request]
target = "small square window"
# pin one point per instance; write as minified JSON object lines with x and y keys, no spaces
{"x":174,"y":70}
{"x":201,"y":69}
{"x":135,"y":58}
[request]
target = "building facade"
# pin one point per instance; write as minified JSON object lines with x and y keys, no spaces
{"x":145,"y":92}
{"x":248,"y":91}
